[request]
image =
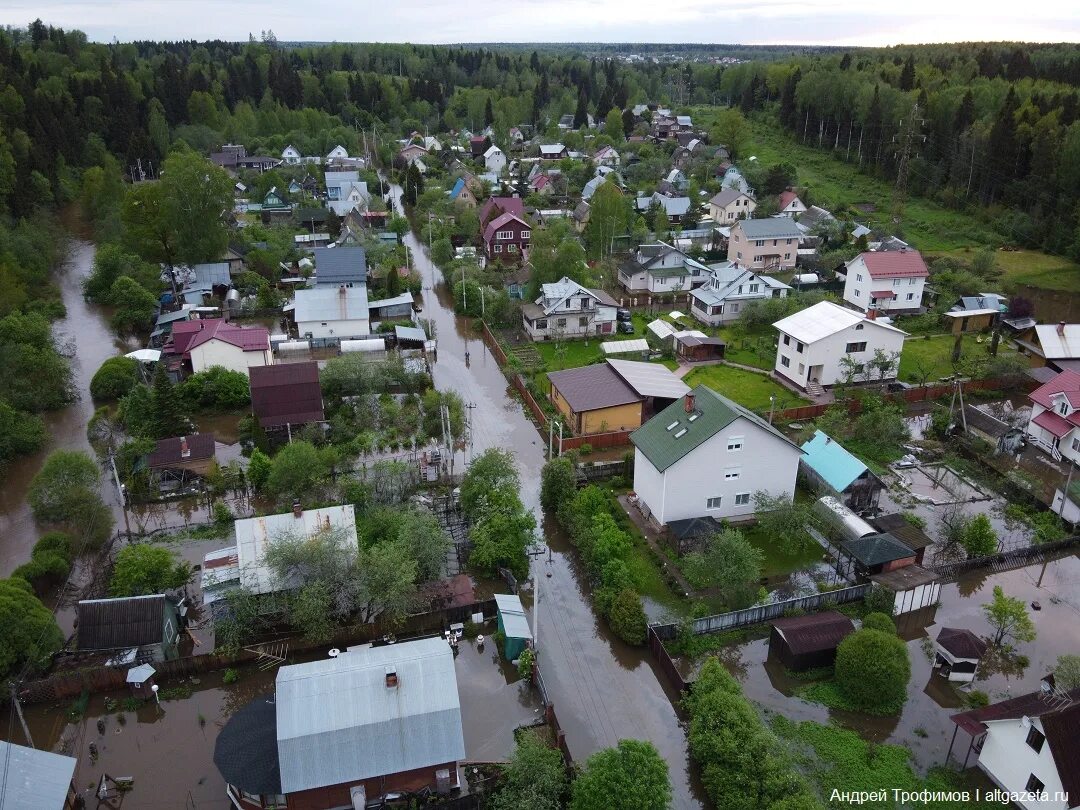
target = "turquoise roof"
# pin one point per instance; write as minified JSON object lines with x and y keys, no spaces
{"x":832,"y":462}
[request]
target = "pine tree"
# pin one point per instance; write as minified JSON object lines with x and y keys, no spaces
{"x":489,"y":113}
{"x":168,"y":418}
{"x":581,"y":115}
{"x":907,"y":75}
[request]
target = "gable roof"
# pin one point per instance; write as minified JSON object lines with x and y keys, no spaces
{"x":768,"y":228}
{"x":727,"y":196}
{"x":32,"y":779}
{"x":502,"y":221}
{"x":338,"y":721}
{"x":459,"y":186}
{"x":286,"y":394}
{"x":187,"y":335}
{"x":903,"y":530}
{"x":327,"y":302}
{"x":112,"y":624}
{"x":168,"y":451}
{"x":836,"y":466}
{"x":589,"y":388}
{"x":494,"y":206}
{"x":1055,"y":346}
{"x":877,"y":549}
{"x":815,"y":632}
{"x":1066,"y":383}
{"x":895,"y":264}
{"x":824,"y":319}
{"x":492,"y":150}
{"x":787,"y":198}
{"x":554,"y":293}
{"x":712,"y":413}
{"x":340,"y":265}
{"x":961,"y":643}
{"x":650,"y":379}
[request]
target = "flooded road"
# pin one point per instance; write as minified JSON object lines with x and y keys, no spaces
{"x":85,"y":327}
{"x":603,"y":690}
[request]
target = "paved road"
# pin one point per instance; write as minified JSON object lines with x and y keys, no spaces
{"x":602,"y":689}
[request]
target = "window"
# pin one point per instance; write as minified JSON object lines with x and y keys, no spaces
{"x":713,"y":503}
{"x":1034,"y":784}
{"x":734,"y":443}
{"x":542,"y":324}
{"x":787,"y":340}
{"x":755,"y":288}
{"x":896,"y":282}
{"x":569,"y":303}
{"x":583,"y":321}
{"x":504,"y":235}
{"x":858,"y":276}
{"x":560,"y":322}
{"x":732,"y":474}
{"x":911,"y":296}
{"x":759,"y":243}
{"x":855,"y":348}
{"x":857,"y":293}
{"x":511,"y":248}
{"x":742,"y":499}
{"x":497,"y":248}
{"x":1035,"y":739}
{"x":787,"y":255}
{"x":734,"y":308}
{"x":911,"y":282}
{"x":1076,"y":445}
{"x":799,"y":347}
{"x":785,"y":361}
{"x":738,"y":255}
{"x":1063,"y":408}
{"x":802,"y":368}
{"x":858,"y":326}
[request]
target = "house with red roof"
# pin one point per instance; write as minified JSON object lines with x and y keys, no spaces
{"x":887,"y":281}
{"x":494,"y":206}
{"x":197,"y":345}
{"x":789,"y":204}
{"x":1055,"y":416}
{"x":506,"y":238}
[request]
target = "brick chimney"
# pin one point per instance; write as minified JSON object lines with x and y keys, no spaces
{"x":688,"y":402}
{"x":871,"y":314}
{"x":1061,"y":328}
{"x":297,"y":509}
{"x":185,"y":451}
{"x":391,"y":677}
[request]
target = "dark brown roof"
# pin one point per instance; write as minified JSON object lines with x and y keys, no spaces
{"x":961,"y":643}
{"x":592,"y":387}
{"x":898,"y":526}
{"x":113,"y":624}
{"x":167,"y":451}
{"x":902,"y":579}
{"x":815,"y":632}
{"x":286,"y":394}
{"x":1065,"y":725}
{"x":1062,"y":730}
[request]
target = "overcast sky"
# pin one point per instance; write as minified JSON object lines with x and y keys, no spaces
{"x":840,"y":22}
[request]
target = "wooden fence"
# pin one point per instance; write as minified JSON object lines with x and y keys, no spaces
{"x":1005,"y":561}
{"x":763,"y":613}
{"x":666,"y":663}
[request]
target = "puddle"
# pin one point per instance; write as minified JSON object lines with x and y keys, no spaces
{"x":938,"y":484}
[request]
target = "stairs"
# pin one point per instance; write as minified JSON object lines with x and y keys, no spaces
{"x":814,"y":389}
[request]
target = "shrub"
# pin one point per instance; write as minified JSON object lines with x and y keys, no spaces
{"x":231,"y":676}
{"x":216,"y":389}
{"x":627,"y":617}
{"x":880,"y":600}
{"x":879,"y":621}
{"x":221,"y":513}
{"x":872,"y":671}
{"x":116,"y":377}
{"x":557,"y":483}
{"x":143,"y":569}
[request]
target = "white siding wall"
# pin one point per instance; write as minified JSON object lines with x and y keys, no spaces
{"x":220,"y":353}
{"x":857,"y":292}
{"x":336,"y":330}
{"x":1046,"y":439}
{"x":765,"y":462}
{"x":828,"y":351}
{"x":1009,"y":761}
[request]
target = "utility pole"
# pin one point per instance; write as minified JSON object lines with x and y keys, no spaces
{"x":469,"y":425}
{"x":909,"y":133}
{"x":19,"y":712}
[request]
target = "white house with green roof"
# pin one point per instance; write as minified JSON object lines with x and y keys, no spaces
{"x":661,"y":268}
{"x":706,"y":456}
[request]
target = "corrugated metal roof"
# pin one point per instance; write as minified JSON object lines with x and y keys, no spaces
{"x":877,"y":549}
{"x":895,"y":264}
{"x":650,"y":379}
{"x":331,"y":303}
{"x":168,"y":452}
{"x":253,"y":535}
{"x":514,"y":621}
{"x":833,"y":463}
{"x":340,"y":265}
{"x":815,"y":632}
{"x":410,"y":333}
{"x":32,"y":779}
{"x":112,"y":624}
{"x":624,"y":346}
{"x":399,"y":300}
{"x":338,"y":721}
{"x":1055,"y":346}
{"x":769,"y":228}
{"x":589,"y":388}
{"x":824,"y":319}
{"x":286,"y":394}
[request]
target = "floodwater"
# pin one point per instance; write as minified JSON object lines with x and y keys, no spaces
{"x":924,"y":727}
{"x":602,"y":689}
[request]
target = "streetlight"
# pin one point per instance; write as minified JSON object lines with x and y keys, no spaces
{"x":154,"y":688}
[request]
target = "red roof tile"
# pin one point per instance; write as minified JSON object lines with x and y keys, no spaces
{"x":187,"y":335}
{"x":286,"y":394}
{"x":1067,"y":382}
{"x":1055,"y":423}
{"x":895,"y":264}
{"x":882,"y":294}
{"x":787,"y":198}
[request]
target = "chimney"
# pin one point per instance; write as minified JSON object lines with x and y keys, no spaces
{"x":391,"y":677}
{"x":341,"y":290}
{"x":185,"y":451}
{"x":297,"y":509}
{"x":1061,"y":328}
{"x":871,"y":314}
{"x":688,"y":402}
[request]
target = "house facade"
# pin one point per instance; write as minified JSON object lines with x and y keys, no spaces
{"x":814,"y":342}
{"x":705,"y":456}
{"x":722,"y":298}
{"x":495,"y":160}
{"x":553,"y":151}
{"x":1055,"y":416}
{"x":345,"y":192}
{"x":789,"y":204}
{"x":661,"y":268}
{"x":567,"y":309}
{"x":771,"y":245}
{"x":731,"y":204}
{"x":888,"y":281}
{"x":506,"y":239}
{"x":202,"y":344}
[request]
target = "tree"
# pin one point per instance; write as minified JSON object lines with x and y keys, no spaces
{"x":1008,"y":618}
{"x":296,"y":471}
{"x":729,"y":562}
{"x":661,"y":224}
{"x":134,"y":306}
{"x":442,"y":251}
{"x":393,"y":283}
{"x":142,"y":569}
{"x":31,"y":634}
{"x":166,"y":414}
{"x":979,"y":538}
{"x":58,"y":491}
{"x":535,"y":778}
{"x":613,"y":126}
{"x":558,"y":483}
{"x":879,"y":621}
{"x":627,"y":617}
{"x":782,"y":519}
{"x":609,"y":218}
{"x":630,"y":776}
{"x":492,"y":470}
{"x":20,"y":432}
{"x":115,"y":378}
{"x":1067,"y":673}
{"x":872,"y":671}
{"x":732,"y":130}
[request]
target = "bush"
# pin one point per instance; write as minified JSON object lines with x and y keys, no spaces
{"x":216,"y":389}
{"x":872,"y":671}
{"x":221,"y":513}
{"x":880,"y":600}
{"x":879,"y":621}
{"x":116,"y":377}
{"x":31,"y":634}
{"x":144,"y":569}
{"x":557,"y":483}
{"x":231,"y":676}
{"x":627,"y":617}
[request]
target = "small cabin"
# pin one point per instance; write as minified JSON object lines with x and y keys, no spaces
{"x":809,"y":642}
{"x":958,"y":653}
{"x":513,"y":624}
{"x":140,"y":681}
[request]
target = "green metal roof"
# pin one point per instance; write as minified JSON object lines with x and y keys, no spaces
{"x":674,"y":433}
{"x":877,"y":549}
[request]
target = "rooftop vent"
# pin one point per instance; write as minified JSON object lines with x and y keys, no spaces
{"x":391,"y":677}
{"x":688,"y":402}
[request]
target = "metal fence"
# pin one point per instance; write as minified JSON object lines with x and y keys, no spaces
{"x":1005,"y":561}
{"x":763,"y":613}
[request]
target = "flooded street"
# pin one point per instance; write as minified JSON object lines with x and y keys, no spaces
{"x":602,"y":689}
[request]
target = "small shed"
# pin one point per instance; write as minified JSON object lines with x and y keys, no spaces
{"x":809,"y":642}
{"x":913,"y":587}
{"x":285,"y":395}
{"x":906,"y":532}
{"x":693,"y":348}
{"x":513,"y":624}
{"x":873,"y":554}
{"x":833,"y":470}
{"x":690,"y":534}
{"x":140,"y":680}
{"x":957,"y":654}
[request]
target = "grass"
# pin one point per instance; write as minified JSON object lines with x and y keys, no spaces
{"x":569,"y":354}
{"x":934,"y":355}
{"x":749,"y":347}
{"x":749,"y":389}
{"x":1032,"y":267}
{"x":779,"y":560}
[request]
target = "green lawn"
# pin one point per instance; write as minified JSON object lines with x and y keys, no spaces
{"x":931,"y":355}
{"x":755,"y":347}
{"x":749,"y":389}
{"x":1032,"y":267}
{"x":569,"y":354}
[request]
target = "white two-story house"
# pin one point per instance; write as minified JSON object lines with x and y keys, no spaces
{"x":346,"y":192}
{"x":495,"y":160}
{"x":771,"y":245}
{"x":1055,"y":416}
{"x":814,"y":342}
{"x":706,"y":456}
{"x":888,"y":281}
{"x":721,"y":299}
{"x":566,"y":309}
{"x":661,"y":268}
{"x":731,"y":204}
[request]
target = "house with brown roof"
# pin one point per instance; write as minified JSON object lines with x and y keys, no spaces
{"x":1029,"y":744}
{"x":496,"y":206}
{"x":1055,"y":416}
{"x":201,"y":344}
{"x":888,"y":281}
{"x":567,"y":309}
{"x":957,"y":654}
{"x":808,"y":642}
{"x":789,"y":204}
{"x":287,"y":395}
{"x":136,"y":629}
{"x":176,"y":462}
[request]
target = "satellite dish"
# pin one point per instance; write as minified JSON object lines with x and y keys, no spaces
{"x":1025,"y":721}
{"x":335,"y":652}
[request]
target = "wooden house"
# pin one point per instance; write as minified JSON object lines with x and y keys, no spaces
{"x":808,"y":642}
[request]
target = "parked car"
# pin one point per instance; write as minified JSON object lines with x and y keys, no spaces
{"x":626,"y":327}
{"x":622,"y":314}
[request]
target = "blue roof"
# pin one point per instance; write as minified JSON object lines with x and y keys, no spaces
{"x":458,"y":186}
{"x":836,"y":466}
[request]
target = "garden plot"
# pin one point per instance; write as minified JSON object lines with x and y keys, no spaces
{"x":938,"y":484}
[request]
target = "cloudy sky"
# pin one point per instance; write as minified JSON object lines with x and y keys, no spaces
{"x":841,"y":22}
